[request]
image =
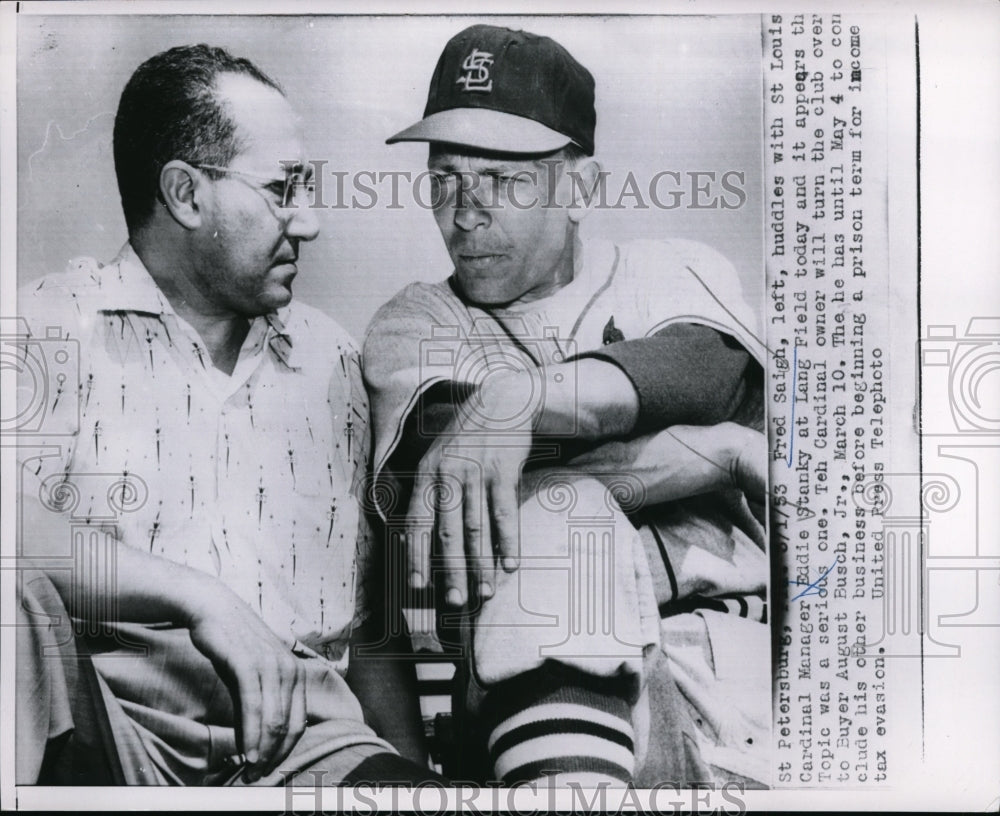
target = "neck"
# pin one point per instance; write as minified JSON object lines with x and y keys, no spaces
{"x":221,"y":330}
{"x":572,"y":261}
{"x":223,"y":336}
{"x":568,"y":268}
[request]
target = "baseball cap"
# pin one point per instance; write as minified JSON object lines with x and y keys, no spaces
{"x":507,"y":92}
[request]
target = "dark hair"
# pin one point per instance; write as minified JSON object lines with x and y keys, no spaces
{"x":169,"y":110}
{"x":573,"y":154}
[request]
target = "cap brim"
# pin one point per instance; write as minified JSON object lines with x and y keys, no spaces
{"x":486,"y":130}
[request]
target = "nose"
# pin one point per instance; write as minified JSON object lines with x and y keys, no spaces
{"x":469,"y":211}
{"x":470,"y":214}
{"x":302,"y":224}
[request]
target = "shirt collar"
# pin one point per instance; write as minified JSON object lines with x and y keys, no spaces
{"x":127,"y":286}
{"x":280,"y":340}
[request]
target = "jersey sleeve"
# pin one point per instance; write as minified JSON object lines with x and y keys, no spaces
{"x":415,"y":342}
{"x":680,"y":281}
{"x":684,"y":374}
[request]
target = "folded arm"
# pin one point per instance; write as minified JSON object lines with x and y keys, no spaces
{"x":684,"y":460}
{"x":265,"y":679}
{"x":478,"y":448}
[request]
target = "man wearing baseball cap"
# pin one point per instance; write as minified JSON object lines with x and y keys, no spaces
{"x":571,"y":429}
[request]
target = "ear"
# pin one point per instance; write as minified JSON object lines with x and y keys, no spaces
{"x":182,"y":191}
{"x":583,"y":189}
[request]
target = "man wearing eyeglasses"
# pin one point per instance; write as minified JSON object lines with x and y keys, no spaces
{"x":211,"y":449}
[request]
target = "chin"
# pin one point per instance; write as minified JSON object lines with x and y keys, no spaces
{"x":281,"y":300}
{"x":274,"y":300}
{"x":485,"y":295}
{"x":489,"y":300}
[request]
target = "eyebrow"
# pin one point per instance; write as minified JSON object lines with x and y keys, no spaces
{"x":488,"y":170}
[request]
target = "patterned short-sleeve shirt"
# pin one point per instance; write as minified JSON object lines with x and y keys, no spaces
{"x":251,"y":477}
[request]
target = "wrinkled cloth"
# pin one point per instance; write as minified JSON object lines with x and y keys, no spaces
{"x":247,"y":477}
{"x":253,"y":478}
{"x":427,"y":337}
{"x":171,"y":715}
{"x":46,"y":676}
{"x":426,"y":334}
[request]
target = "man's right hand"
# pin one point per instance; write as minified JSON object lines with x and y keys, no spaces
{"x":266,"y":681}
{"x":469,"y":477}
{"x":469,"y":483}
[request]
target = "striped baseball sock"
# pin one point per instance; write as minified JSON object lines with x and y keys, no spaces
{"x":554,"y":720}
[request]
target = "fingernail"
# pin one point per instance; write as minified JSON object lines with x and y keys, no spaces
{"x":510,"y":564}
{"x":485,"y":590}
{"x":252,"y":756}
{"x":416,"y":580}
{"x":453,"y":597}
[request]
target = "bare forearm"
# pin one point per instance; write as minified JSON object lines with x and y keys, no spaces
{"x":684,"y":460}
{"x":584,"y":399}
{"x":120,"y":583}
{"x":111,"y":581}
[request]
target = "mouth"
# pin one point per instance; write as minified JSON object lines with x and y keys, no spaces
{"x":284,"y":273}
{"x":479,"y":261}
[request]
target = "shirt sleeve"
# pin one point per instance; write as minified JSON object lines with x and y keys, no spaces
{"x":366,"y":542}
{"x":685,"y":374}
{"x":46,"y":354}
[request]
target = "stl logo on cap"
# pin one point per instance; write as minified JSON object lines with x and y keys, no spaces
{"x":477,"y":72}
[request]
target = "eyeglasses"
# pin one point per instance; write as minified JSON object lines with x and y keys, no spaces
{"x":285,"y":190}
